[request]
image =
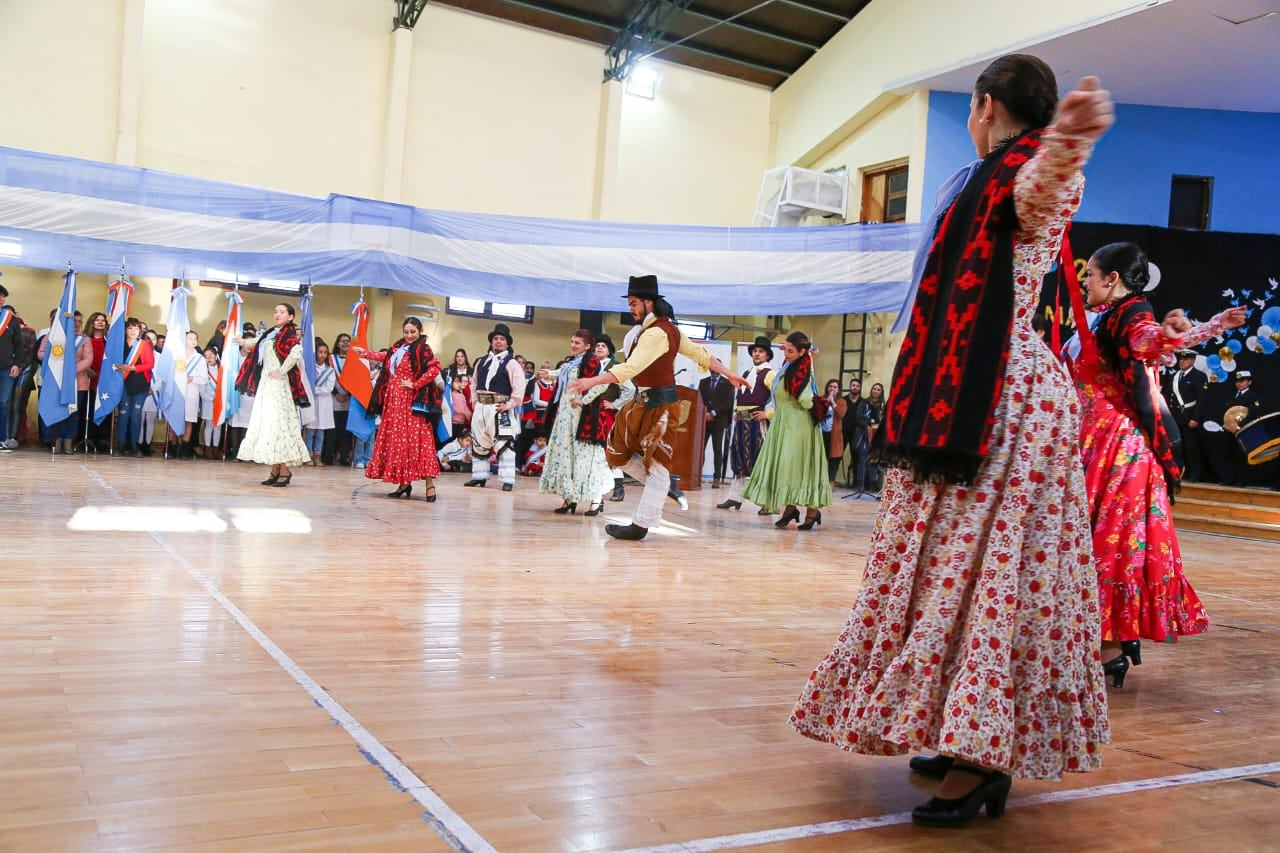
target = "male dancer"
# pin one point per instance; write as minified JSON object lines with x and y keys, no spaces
{"x":640,"y":440}
{"x":499,"y":389}
{"x":750,"y":420}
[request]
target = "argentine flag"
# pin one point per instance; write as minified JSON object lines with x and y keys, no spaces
{"x":110,"y":380}
{"x":171,"y":363}
{"x":226,"y":399}
{"x":58,"y":373}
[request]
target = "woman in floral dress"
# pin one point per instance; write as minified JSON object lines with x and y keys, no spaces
{"x":406,"y":395}
{"x":1132,"y":458}
{"x":791,"y":470}
{"x":575,"y":466}
{"x":975,"y":632}
{"x":273,"y":376}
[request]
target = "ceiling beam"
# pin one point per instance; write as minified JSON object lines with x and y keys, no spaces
{"x":754,"y":30}
{"x":577,"y":17}
{"x":407,"y":14}
{"x":636,"y":38}
{"x":808,"y":7}
{"x":723,"y":57}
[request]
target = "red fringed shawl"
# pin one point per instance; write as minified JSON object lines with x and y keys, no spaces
{"x":1154,"y":418}
{"x":950,"y":372}
{"x":427,"y":399}
{"x":251,"y":370}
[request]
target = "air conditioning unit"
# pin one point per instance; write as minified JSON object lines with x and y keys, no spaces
{"x":790,"y":193}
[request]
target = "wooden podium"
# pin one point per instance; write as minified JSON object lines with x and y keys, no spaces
{"x":689,"y":441}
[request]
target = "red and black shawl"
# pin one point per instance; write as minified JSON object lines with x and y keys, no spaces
{"x":251,"y":370}
{"x":950,"y":372}
{"x":596,"y":422}
{"x":1113,"y":334}
{"x":796,"y":376}
{"x":426,"y":400}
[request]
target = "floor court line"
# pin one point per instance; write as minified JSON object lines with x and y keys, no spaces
{"x":450,"y":826}
{"x":796,"y":833}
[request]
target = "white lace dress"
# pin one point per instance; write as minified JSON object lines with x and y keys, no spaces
{"x":274,"y":436}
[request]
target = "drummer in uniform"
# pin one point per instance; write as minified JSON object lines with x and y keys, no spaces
{"x":1225,"y":455}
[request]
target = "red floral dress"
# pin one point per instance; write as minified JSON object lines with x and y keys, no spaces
{"x":405,"y":449}
{"x":975,"y":632}
{"x":1142,"y":590}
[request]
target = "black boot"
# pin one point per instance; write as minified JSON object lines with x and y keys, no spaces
{"x":626,"y":531}
{"x":618,"y":492}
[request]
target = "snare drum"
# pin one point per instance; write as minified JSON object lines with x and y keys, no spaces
{"x":1260,"y":438}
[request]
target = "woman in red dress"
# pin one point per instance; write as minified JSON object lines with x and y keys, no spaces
{"x":1132,"y":458}
{"x":406,"y":396}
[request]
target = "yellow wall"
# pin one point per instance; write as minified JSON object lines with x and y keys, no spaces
{"x":502,"y":119}
{"x":60,"y":67}
{"x":287,"y":94}
{"x":677,"y":167}
{"x":889,"y":42}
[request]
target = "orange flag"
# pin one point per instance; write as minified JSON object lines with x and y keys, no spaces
{"x":355,"y":373}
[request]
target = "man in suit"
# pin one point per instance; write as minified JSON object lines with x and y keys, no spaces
{"x":855,"y":422}
{"x":717,"y":398}
{"x":1185,"y":390}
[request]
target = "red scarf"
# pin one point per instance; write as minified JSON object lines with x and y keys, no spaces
{"x":950,"y":371}
{"x":251,"y":370}
{"x":1154,"y":417}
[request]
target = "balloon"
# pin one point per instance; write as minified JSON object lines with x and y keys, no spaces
{"x":1271,"y":317}
{"x":1268,"y":346}
{"x":1214,"y":362}
{"x":1229,"y":365}
{"x":1234,"y":346}
{"x":1252,"y":344}
{"x":1264,"y":331}
{"x":1219,"y":376}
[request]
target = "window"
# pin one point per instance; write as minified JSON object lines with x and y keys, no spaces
{"x":229,"y":280}
{"x":884,"y":194}
{"x":489,"y":310}
{"x":1189,"y":199}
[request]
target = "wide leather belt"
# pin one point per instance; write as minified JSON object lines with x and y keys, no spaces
{"x":661,"y":396}
{"x":491,"y":399}
{"x":746,"y":414}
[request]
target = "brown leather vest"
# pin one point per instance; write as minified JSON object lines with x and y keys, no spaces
{"x":663,"y":370}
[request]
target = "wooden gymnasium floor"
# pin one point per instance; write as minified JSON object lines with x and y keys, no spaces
{"x":194,"y":662}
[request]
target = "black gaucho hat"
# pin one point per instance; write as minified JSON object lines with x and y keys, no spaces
{"x":501,"y":329}
{"x":607,"y":341}
{"x":761,"y":342}
{"x":643,"y":287}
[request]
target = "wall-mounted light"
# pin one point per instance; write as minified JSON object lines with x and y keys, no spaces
{"x":643,"y":80}
{"x":9,"y":249}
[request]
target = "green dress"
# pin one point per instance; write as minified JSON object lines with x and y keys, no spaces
{"x":792,"y":467}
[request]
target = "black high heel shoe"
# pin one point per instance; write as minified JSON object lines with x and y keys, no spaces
{"x":596,"y":508}
{"x":271,"y":481}
{"x":730,"y":504}
{"x":1116,"y":668}
{"x":431,"y":494}
{"x":567,"y":507}
{"x":810,"y":520}
{"x":992,"y":792}
{"x":402,"y":491}
{"x":1132,"y":649}
{"x":284,"y":481}
{"x":789,"y":516}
